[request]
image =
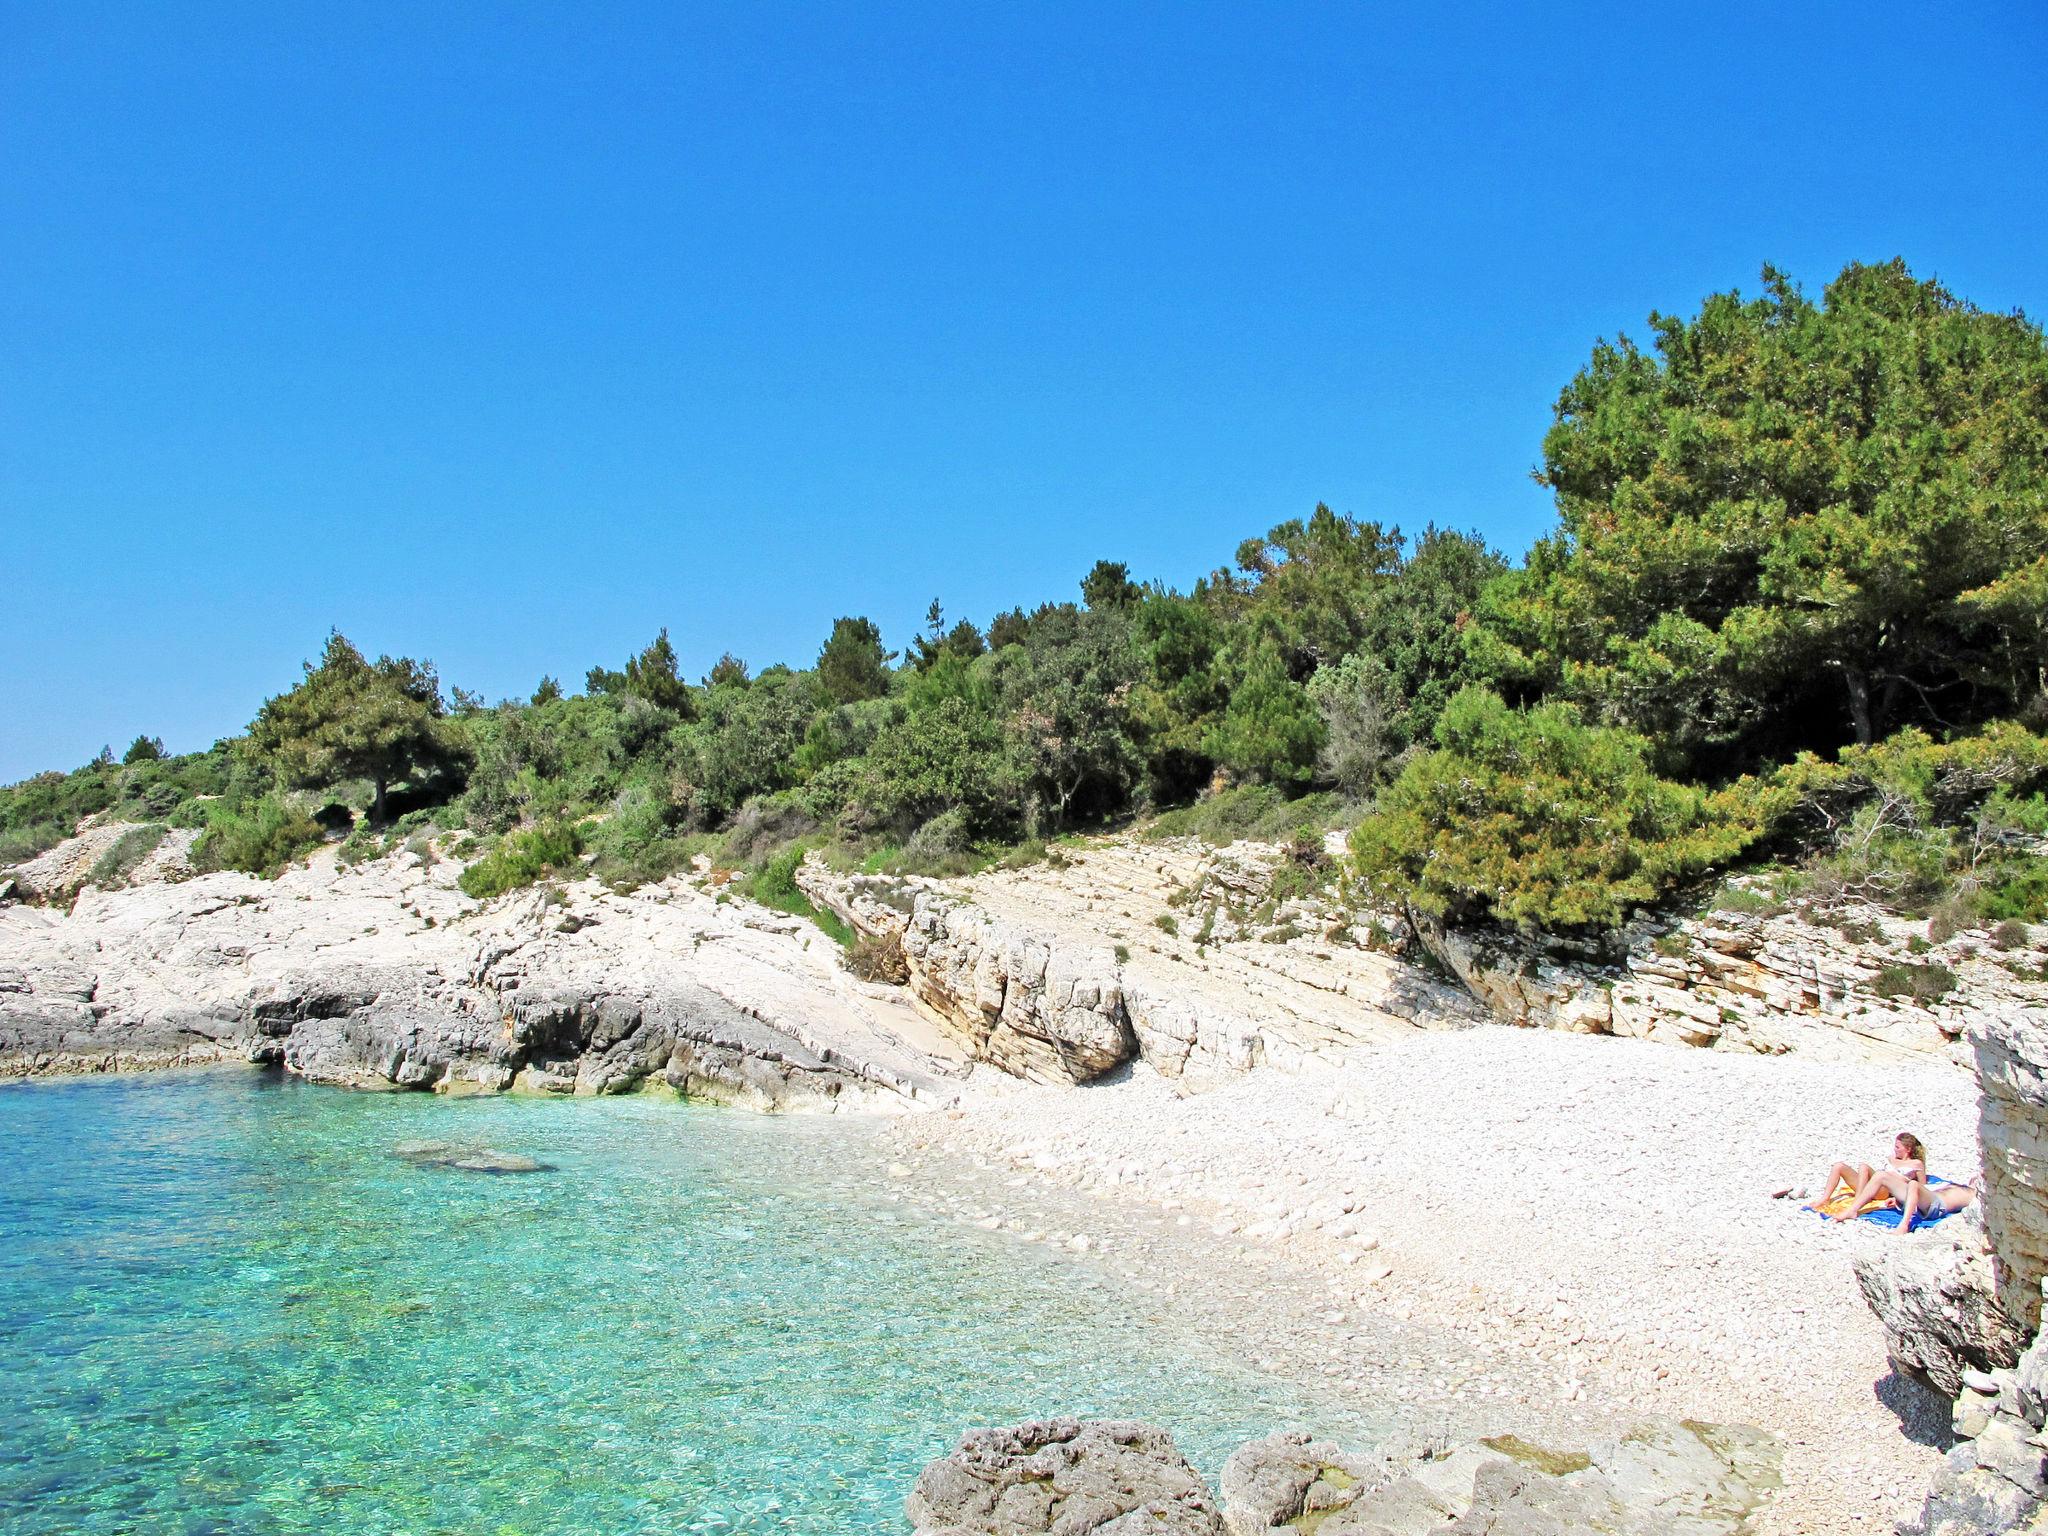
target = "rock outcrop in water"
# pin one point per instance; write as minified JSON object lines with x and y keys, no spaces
{"x":386,"y":975}
{"x":1063,"y":1475}
{"x":1660,"y":1478}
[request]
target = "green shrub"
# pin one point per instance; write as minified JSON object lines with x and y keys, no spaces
{"x":1536,"y":818}
{"x":262,"y":837}
{"x":1167,"y":923}
{"x":522,"y":858}
{"x":774,"y":885}
{"x":1954,"y":914}
{"x":361,"y":845}
{"x":1921,"y":983}
{"x":127,"y":851}
{"x":2018,"y":891}
{"x":1031,"y":851}
{"x":189,"y":815}
{"x":20,"y":844}
{"x":1251,"y":812}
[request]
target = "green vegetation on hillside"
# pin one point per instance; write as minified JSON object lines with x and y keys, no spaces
{"x":1795,"y":610}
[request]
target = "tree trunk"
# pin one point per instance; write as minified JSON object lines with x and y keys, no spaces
{"x":1859,"y":703}
{"x":377,"y":806}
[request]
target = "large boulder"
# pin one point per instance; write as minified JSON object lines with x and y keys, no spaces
{"x":1063,"y":1476}
{"x":1936,"y":1300}
{"x":1663,"y":1477}
{"x":1277,"y":1481}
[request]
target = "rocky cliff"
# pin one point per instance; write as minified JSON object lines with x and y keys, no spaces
{"x":1194,"y":960}
{"x":1062,"y":971}
{"x":386,"y":975}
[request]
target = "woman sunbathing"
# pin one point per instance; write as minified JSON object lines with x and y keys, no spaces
{"x":1908,"y":1165}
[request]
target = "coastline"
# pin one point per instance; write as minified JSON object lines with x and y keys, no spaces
{"x":1746,"y":1310}
{"x":1471,"y":1229}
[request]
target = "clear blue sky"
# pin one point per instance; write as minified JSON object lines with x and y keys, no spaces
{"x":505,"y":335}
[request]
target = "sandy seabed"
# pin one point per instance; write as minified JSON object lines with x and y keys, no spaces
{"x":1499,"y":1230}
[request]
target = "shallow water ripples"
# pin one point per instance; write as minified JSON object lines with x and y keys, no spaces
{"x":225,"y":1306}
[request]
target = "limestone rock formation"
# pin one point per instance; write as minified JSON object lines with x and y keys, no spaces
{"x":386,"y":975}
{"x":1214,"y":974}
{"x":1286,"y":1477}
{"x":1759,"y":981}
{"x":1996,"y":1478}
{"x":60,"y":873}
{"x":1661,"y":1478}
{"x":1936,"y":1301}
{"x":1060,"y":972}
{"x":1067,"y":1476}
{"x":2011,"y":1045}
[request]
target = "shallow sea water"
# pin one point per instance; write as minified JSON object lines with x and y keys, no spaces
{"x":227,"y":1306}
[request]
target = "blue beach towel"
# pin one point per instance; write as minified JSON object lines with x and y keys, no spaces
{"x":1891,"y":1215}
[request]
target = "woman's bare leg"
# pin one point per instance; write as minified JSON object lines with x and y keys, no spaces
{"x":1849,"y":1179}
{"x":1873,"y":1184}
{"x":1840,"y":1174}
{"x":1909,"y":1204}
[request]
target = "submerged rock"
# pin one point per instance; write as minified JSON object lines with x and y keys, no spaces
{"x":1063,"y":1475}
{"x":448,"y":1154}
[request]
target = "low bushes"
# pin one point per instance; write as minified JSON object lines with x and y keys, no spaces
{"x":261,"y":837}
{"x":20,"y":844}
{"x":1251,"y":811}
{"x":1922,"y":984}
{"x":773,"y":884}
{"x":522,"y":858}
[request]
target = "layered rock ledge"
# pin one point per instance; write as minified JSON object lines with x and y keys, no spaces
{"x":386,"y":975}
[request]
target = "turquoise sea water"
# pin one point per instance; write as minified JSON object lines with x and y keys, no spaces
{"x":226,"y":1306}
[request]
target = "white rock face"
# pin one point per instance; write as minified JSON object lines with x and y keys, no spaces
{"x":2012,"y":1074}
{"x":1935,"y":1301}
{"x":1743,"y":981}
{"x":1060,"y":972}
{"x":1180,"y":955}
{"x":387,"y":975}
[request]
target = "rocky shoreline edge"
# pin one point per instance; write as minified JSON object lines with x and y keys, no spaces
{"x":1659,"y":1477}
{"x":384,"y":975}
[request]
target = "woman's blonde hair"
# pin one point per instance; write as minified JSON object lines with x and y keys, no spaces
{"x":1917,"y":1147}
